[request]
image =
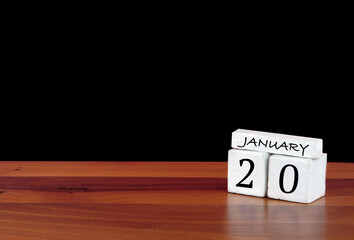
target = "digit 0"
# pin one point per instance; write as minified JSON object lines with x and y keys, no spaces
{"x":281,"y":178}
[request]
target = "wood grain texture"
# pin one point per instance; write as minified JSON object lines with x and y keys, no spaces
{"x":160,"y":200}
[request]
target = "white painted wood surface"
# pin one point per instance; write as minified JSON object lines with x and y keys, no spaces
{"x":247,"y":172}
{"x":297,"y":179}
{"x":277,"y":143}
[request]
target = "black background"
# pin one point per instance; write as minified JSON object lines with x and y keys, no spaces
{"x":157,"y":90}
{"x":170,"y":120}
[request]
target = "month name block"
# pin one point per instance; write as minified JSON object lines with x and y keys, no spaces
{"x":277,"y":143}
{"x":297,"y":179}
{"x":247,"y":172}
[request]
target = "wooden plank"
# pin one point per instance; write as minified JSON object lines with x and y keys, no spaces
{"x":137,"y":169}
{"x":98,"y":184}
{"x":166,"y":201}
{"x":113,"y":169}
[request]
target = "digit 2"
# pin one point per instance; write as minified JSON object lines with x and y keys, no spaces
{"x":241,"y":184}
{"x":281,"y":178}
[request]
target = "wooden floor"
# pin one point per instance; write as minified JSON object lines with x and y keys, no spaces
{"x":160,"y":200}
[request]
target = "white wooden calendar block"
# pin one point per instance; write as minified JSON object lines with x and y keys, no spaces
{"x":247,"y":172}
{"x":277,"y":143}
{"x":297,"y":179}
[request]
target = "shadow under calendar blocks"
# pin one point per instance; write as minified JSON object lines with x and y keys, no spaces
{"x":279,"y":166}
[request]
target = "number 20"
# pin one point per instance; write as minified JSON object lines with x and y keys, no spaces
{"x":281,"y":177}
